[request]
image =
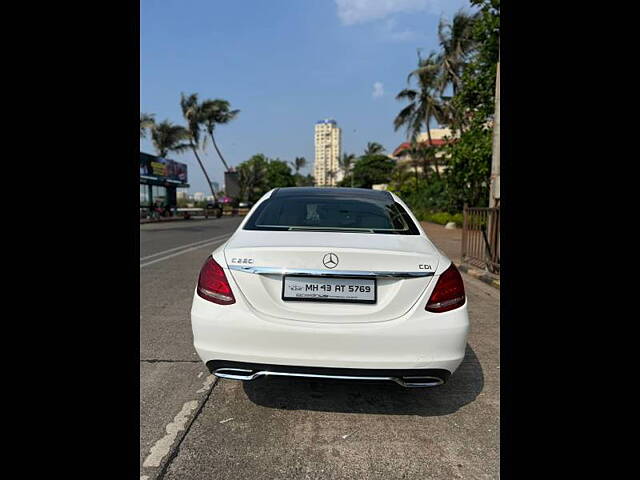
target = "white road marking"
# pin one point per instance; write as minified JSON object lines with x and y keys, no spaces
{"x":207,"y":383}
{"x":225,"y":421}
{"x":162,"y":446}
{"x":182,"y":251}
{"x":183,"y":246}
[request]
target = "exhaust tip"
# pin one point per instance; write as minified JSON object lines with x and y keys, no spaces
{"x":235,"y":373}
{"x":423,"y":381}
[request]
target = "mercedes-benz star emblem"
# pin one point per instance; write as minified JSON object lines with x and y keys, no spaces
{"x":330,"y":260}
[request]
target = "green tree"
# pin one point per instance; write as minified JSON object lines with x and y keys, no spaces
{"x":419,"y":159}
{"x":373,"y":148}
{"x":346,"y":165}
{"x":469,"y":172}
{"x":304,"y":180}
{"x":192,"y":113}
{"x":278,"y":175}
{"x":299,"y":163}
{"x":371,"y":170}
{"x":331,"y":174}
{"x":217,"y":112}
{"x":252,"y":178}
{"x":424,"y":102}
{"x":260,"y":174}
{"x":470,"y":49}
{"x":456,"y":41}
{"x":469,"y":169}
{"x":477,"y":95}
{"x":146,"y":122}
{"x":401,"y":176}
{"x":167,"y":137}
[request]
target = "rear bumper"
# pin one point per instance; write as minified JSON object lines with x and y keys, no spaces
{"x":406,"y":377}
{"x":419,"y":340}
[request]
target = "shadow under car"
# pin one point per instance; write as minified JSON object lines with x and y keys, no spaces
{"x":360,"y":396}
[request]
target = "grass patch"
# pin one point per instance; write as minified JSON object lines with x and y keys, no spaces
{"x":441,"y":218}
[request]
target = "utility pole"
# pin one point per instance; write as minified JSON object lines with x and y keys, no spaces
{"x":494,"y":189}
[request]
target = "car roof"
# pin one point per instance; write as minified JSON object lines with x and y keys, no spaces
{"x":331,"y":192}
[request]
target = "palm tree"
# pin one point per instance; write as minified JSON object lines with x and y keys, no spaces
{"x":418,"y":159}
{"x":424,"y":156}
{"x":167,"y":137}
{"x":217,"y":112}
{"x":424,"y":103}
{"x":299,"y":163}
{"x":346,"y":165}
{"x":331,"y":174}
{"x":146,"y":122}
{"x":401,"y":173}
{"x":192,"y":113}
{"x":456,"y":41}
{"x":373,"y":148}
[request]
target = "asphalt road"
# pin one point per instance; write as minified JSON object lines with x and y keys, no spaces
{"x":193,"y":426}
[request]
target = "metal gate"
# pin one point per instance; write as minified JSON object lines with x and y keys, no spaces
{"x":481,"y":238}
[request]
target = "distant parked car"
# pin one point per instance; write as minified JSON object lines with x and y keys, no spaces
{"x":330,"y":283}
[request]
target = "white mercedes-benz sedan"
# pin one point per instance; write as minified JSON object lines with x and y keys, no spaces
{"x":336,"y":283}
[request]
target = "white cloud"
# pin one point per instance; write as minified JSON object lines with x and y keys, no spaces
{"x":359,"y":11}
{"x":378,"y":90}
{"x":389,"y":31}
{"x":351,"y":12}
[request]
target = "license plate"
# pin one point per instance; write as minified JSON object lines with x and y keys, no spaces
{"x":329,"y":289}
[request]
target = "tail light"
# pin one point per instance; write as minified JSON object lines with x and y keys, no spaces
{"x":213,"y":284}
{"x":448,"y":293}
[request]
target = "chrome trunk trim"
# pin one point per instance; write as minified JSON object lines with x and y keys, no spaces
{"x":326,"y":273}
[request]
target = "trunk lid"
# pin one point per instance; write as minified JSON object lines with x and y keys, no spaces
{"x":354,"y":251}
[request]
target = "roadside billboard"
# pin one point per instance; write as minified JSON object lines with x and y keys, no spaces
{"x":162,"y":168}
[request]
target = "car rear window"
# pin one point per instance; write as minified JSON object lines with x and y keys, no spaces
{"x":335,"y":213}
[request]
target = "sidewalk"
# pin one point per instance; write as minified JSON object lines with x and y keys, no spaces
{"x":450,"y":242}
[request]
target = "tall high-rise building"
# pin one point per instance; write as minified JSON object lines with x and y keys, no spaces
{"x":328,"y":143}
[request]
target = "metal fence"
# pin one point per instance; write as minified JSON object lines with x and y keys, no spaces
{"x":481,"y":238}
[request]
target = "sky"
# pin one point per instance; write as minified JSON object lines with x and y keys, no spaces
{"x":285,"y":64}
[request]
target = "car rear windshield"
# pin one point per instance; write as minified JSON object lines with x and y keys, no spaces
{"x":335,"y":214}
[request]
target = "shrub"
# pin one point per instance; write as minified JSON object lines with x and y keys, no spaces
{"x":442,"y":218}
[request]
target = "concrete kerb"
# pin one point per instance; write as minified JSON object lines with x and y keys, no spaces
{"x":161,"y":220}
{"x":479,"y":274}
